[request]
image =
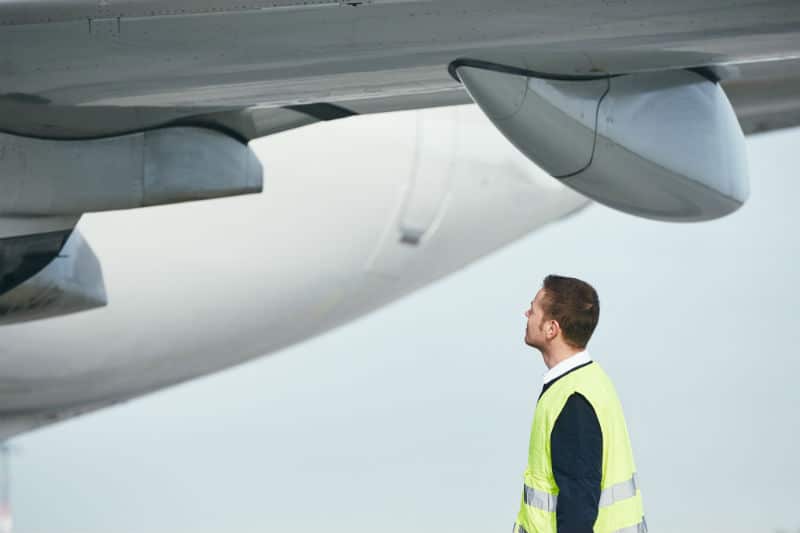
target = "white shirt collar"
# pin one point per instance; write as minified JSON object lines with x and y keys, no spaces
{"x":566,"y":365}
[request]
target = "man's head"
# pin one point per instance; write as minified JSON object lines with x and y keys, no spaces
{"x":563,"y":314}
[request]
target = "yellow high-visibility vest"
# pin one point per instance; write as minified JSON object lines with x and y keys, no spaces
{"x":620,"y":507}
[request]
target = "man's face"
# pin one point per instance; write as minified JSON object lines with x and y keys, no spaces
{"x":534,"y":332}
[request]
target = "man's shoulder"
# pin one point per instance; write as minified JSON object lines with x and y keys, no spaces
{"x":589,"y":382}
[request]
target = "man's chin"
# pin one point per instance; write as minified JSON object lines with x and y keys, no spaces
{"x":531,"y":343}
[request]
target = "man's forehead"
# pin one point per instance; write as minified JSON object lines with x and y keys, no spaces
{"x":539,"y":296}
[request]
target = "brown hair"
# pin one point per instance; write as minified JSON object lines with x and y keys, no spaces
{"x":574,"y":305}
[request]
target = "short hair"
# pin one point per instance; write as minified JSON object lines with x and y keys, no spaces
{"x":574,"y":305}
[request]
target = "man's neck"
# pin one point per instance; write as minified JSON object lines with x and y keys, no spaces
{"x":555,"y":355}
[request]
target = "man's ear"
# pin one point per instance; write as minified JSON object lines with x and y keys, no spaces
{"x":553,"y":327}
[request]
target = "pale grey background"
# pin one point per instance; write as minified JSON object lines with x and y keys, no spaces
{"x":416,"y":418}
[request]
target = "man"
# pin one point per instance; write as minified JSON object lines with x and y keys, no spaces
{"x":581,"y":477}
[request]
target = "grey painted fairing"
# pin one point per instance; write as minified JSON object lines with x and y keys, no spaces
{"x":54,"y":178}
{"x":23,"y":256}
{"x":69,"y":281}
{"x":28,"y":244}
{"x":662,"y":145}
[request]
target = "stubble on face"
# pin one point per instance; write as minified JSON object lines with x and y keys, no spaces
{"x":533,"y":324}
{"x":530,"y":336}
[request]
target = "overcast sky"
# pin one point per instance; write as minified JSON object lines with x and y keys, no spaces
{"x":416,"y":418}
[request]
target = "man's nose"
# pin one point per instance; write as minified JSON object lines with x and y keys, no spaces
{"x":527,"y":313}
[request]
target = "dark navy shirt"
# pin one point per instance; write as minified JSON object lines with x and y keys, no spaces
{"x":576,"y":444}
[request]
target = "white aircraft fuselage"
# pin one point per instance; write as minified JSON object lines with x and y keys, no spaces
{"x":198,"y":287}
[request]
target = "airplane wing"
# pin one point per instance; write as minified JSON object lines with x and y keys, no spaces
{"x":27,"y":116}
{"x":765,"y":95}
{"x":762,"y":104}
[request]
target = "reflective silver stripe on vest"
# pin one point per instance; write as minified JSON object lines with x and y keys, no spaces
{"x":540,"y":499}
{"x":608,"y":496}
{"x":518,"y":529}
{"x":641,"y":527}
{"x":620,"y":491}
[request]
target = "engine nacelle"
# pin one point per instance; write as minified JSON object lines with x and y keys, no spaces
{"x":661,"y":145}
